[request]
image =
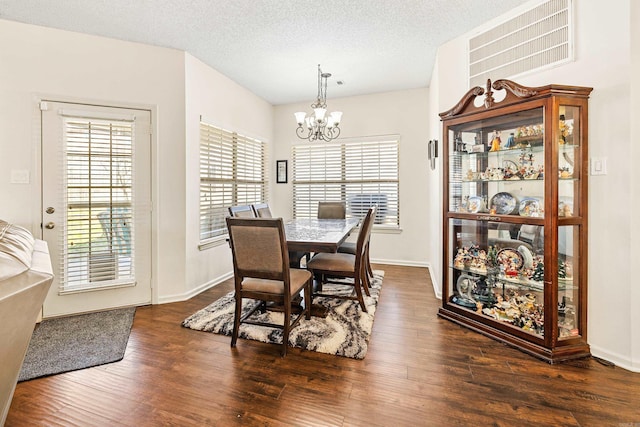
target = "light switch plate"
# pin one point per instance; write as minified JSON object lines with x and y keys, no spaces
{"x":598,"y":166}
{"x":19,"y":176}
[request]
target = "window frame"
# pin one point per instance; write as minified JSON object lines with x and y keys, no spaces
{"x":241,"y":178}
{"x":368,"y":164}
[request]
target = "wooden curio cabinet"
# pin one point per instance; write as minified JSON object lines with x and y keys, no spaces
{"x":515,"y":216}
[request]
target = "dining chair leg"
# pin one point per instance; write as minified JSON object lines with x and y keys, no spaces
{"x":320,"y":278}
{"x":364,"y":278}
{"x":236,"y":321}
{"x":308,"y":298}
{"x":263,"y":307}
{"x":287,"y":327}
{"x":358,"y":287}
{"x":368,"y":262}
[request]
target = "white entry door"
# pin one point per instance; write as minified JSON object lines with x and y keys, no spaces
{"x":96,"y":206}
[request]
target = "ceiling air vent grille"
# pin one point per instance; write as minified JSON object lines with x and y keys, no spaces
{"x":538,"y":38}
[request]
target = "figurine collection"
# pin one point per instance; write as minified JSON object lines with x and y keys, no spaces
{"x":506,"y":286}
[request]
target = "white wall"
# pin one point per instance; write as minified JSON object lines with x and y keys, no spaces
{"x":37,"y":61}
{"x":634,"y":205}
{"x":224,"y":103}
{"x":602,"y":61}
{"x":401,"y":112}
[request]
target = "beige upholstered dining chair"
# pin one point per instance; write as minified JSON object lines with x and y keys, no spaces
{"x":346,"y":265}
{"x":350,"y":248}
{"x":261,"y":210}
{"x":242,"y":211}
{"x":337,"y":210}
{"x":332,"y":210}
{"x":261,"y":272}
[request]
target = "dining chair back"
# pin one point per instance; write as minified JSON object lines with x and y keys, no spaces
{"x":332,"y":210}
{"x":261,"y":272}
{"x":347,"y":265}
{"x":261,"y":210}
{"x":337,"y":210}
{"x":241,"y":211}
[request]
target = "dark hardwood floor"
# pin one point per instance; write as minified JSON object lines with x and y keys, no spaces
{"x":420,"y":370}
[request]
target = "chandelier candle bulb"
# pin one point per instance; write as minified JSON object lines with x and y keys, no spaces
{"x":320,"y":113}
{"x":336,"y":116}
{"x":300,"y":116}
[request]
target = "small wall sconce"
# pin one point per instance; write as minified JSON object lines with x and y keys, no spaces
{"x":433,"y":153}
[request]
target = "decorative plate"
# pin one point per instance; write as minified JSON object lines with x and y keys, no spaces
{"x":475,"y":204}
{"x":511,"y":259}
{"x":465,"y":285}
{"x":530,"y":206}
{"x":504,"y":203}
{"x":527,"y":256}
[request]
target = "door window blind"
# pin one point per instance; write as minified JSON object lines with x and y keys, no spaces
{"x":232,"y":172}
{"x":360,"y":173}
{"x":97,"y":237}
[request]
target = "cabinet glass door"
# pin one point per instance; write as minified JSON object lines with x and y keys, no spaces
{"x":497,"y":270}
{"x":568,"y":282}
{"x":498,"y":167}
{"x":569,"y":160}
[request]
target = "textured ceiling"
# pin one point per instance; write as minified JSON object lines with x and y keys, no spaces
{"x":273,"y":47}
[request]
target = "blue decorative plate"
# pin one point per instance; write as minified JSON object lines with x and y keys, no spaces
{"x":504,"y":203}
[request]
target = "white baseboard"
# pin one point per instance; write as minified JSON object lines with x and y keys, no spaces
{"x":187,"y":295}
{"x":617,"y":359}
{"x":193,"y":292}
{"x":400,"y":262}
{"x":425,"y":264}
{"x":437,"y":290}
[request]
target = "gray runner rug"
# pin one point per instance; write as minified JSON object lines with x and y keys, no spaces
{"x":344,"y":331}
{"x":76,"y":342}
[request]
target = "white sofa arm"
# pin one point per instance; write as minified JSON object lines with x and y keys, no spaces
{"x":25,"y":278}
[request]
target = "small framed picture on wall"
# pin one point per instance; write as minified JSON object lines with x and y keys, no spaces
{"x":281,"y":171}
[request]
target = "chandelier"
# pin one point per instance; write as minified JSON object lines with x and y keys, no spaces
{"x":318,"y":126}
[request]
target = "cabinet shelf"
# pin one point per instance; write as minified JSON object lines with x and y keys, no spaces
{"x":514,"y":210}
{"x":515,"y":281}
{"x":502,"y":152}
{"x":486,"y":216}
{"x":532,"y":180}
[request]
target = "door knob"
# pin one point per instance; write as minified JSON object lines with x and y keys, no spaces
{"x":50,"y":210}
{"x":50,"y":225}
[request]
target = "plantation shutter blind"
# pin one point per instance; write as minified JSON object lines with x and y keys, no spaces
{"x":232,"y":172}
{"x":98,"y":234}
{"x":360,"y":173}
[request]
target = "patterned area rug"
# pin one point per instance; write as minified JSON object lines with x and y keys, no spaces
{"x":343,"y":332}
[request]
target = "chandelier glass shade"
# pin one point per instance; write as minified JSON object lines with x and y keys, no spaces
{"x":319,"y":125}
